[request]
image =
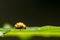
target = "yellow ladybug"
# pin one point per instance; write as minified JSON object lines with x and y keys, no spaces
{"x":20,"y":25}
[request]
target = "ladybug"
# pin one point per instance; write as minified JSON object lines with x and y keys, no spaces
{"x":20,"y":25}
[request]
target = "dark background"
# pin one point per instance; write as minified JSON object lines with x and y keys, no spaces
{"x":31,"y":12}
